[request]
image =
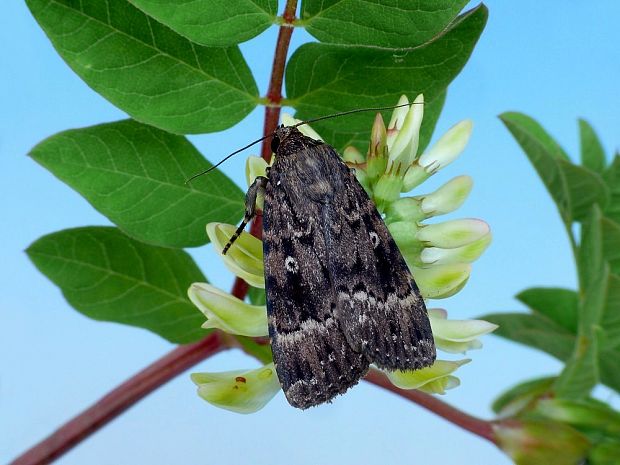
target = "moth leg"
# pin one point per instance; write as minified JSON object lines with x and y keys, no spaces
{"x":257,"y":189}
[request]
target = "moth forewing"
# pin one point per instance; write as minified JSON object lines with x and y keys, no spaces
{"x":339,"y":294}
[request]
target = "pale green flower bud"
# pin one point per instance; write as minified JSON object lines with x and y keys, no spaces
{"x":404,"y":233}
{"x":305,"y":129}
{"x":404,"y":149}
{"x":457,"y":336}
{"x":377,"y":151}
{"x":448,"y":197}
{"x":454,"y":233}
{"x":441,"y":281}
{"x":414,"y":176}
{"x":254,"y":167}
{"x":387,"y":190}
{"x":239,"y":391}
{"x":444,"y":152}
{"x":464,"y":254}
{"x":352,"y":156}
{"x":537,"y":442}
{"x":434,"y":379}
{"x":228,"y":313}
{"x":447,"y":148}
{"x":244,"y":258}
{"x":396,"y":122}
{"x":407,"y":209}
{"x":363,"y":179}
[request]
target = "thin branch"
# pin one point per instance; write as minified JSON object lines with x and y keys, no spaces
{"x":274,"y":93}
{"x":120,"y":399}
{"x":480,"y":427}
{"x":184,"y":357}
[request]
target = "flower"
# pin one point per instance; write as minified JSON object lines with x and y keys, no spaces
{"x":239,"y":391}
{"x":534,"y":442}
{"x":439,"y":255}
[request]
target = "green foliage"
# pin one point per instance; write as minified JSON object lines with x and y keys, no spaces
{"x":175,"y":68}
{"x":586,"y":320}
{"x":135,"y":175}
{"x":378,"y":23}
{"x":214,"y":23}
{"x":157,"y":76}
{"x":326,"y":78}
{"x":581,"y":327}
{"x":108,"y":276}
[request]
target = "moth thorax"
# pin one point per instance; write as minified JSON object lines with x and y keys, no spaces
{"x":288,"y":141}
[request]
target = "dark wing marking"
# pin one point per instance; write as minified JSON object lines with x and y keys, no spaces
{"x":379,"y":304}
{"x":339,"y":294}
{"x":313,"y":359}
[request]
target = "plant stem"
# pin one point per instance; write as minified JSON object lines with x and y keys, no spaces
{"x":480,"y":427}
{"x":274,"y":93}
{"x":120,"y":399}
{"x":184,"y":357}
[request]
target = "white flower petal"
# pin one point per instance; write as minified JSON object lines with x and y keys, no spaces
{"x":254,"y":167}
{"x":460,"y":330}
{"x":226,"y":312}
{"x":447,"y":148}
{"x":448,"y":197}
{"x":405,"y":146}
{"x":241,"y":391}
{"x":305,"y":129}
{"x":452,"y":234}
{"x":418,"y":378}
{"x":245,"y":256}
{"x":465,"y":254}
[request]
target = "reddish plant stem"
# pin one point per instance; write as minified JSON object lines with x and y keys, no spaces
{"x":479,"y":427}
{"x":120,"y":399}
{"x":274,"y":93}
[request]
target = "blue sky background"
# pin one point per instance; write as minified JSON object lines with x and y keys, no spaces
{"x":556,"y":61}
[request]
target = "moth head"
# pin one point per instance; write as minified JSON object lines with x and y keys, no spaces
{"x":282,"y":135}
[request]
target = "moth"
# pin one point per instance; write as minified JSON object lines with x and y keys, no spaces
{"x":339,"y":293}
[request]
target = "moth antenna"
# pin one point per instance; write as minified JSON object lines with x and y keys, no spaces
{"x":227,"y":157}
{"x":358,"y":110}
{"x":314,"y":120}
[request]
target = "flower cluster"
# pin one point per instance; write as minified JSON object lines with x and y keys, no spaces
{"x":439,"y":255}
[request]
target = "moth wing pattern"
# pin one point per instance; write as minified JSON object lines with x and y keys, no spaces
{"x":379,"y":305}
{"x":313,"y":358}
{"x":339,"y":294}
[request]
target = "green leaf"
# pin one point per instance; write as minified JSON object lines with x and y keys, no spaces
{"x":611,"y":243}
{"x":592,"y":153}
{"x":590,"y":257}
{"x":380,"y":23}
{"x":217,"y":23}
{"x":559,"y":305}
{"x":606,"y":452}
{"x":574,"y":189}
{"x":522,"y":396}
{"x":135,"y":175}
{"x":609,"y":340}
{"x":534,"y":331}
{"x":585,"y":188}
{"x":612,"y":179}
{"x":146,"y":69}
{"x":581,"y":372}
{"x":108,"y":276}
{"x":257,"y":296}
{"x":323,"y":79}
